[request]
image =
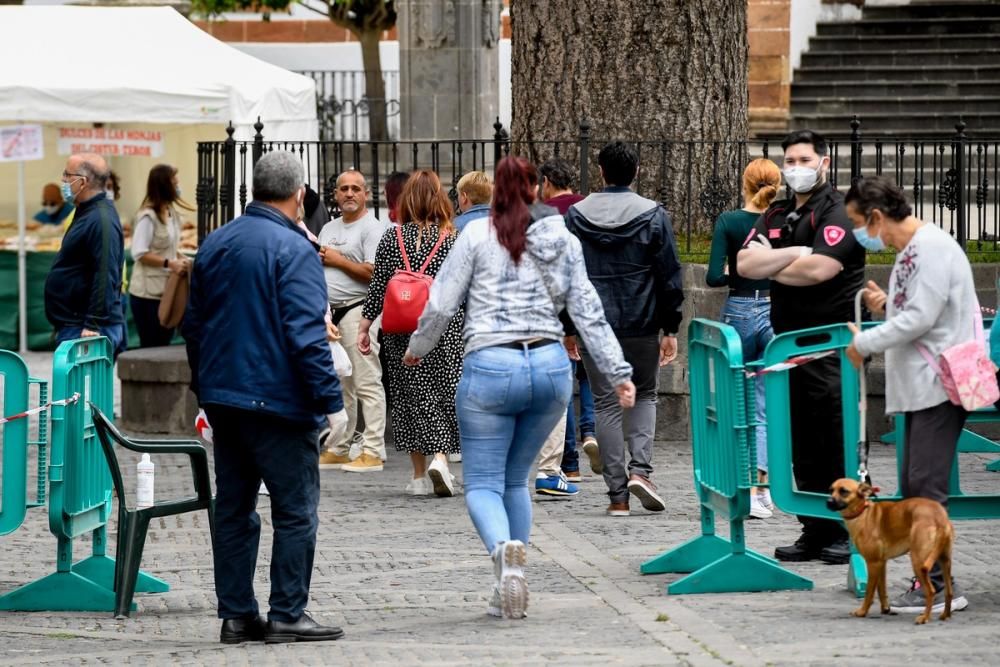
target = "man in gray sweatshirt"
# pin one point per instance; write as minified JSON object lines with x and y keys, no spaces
{"x":631,"y":257}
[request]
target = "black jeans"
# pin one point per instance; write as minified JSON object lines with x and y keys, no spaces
{"x":817,"y":438}
{"x":250,"y":447}
{"x":146,"y":314}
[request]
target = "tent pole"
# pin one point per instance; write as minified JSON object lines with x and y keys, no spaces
{"x":22,"y":263}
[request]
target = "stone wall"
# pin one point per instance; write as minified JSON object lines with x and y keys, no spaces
{"x":769,"y":68}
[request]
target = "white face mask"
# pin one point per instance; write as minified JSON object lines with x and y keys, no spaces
{"x":801,"y":179}
{"x":52,"y":210}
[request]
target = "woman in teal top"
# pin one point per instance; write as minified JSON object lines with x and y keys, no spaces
{"x":748,"y":307}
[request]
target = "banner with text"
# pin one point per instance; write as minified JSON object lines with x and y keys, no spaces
{"x":21,"y":142}
{"x":110,"y":142}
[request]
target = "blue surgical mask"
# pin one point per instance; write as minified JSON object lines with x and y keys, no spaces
{"x":66,"y":190}
{"x":178,"y":190}
{"x":873,"y":243}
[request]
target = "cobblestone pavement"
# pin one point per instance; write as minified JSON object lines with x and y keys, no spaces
{"x":408,"y":580}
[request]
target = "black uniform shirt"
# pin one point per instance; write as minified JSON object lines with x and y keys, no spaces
{"x":821,"y":224}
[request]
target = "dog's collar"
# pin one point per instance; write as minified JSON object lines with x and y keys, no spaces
{"x":864,"y":506}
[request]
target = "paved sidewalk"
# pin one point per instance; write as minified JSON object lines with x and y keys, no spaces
{"x":408,"y":580}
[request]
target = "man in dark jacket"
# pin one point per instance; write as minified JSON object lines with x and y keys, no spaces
{"x":628,"y":245}
{"x":261,"y":367}
{"x":83,"y":291}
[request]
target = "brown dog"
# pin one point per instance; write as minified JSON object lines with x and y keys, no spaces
{"x":885,"y":530}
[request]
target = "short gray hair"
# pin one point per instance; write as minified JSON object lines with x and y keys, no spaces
{"x":277,"y":176}
{"x":96,"y":179}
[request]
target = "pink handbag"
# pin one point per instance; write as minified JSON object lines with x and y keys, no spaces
{"x":966,"y":372}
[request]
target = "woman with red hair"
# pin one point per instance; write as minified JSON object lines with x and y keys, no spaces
{"x":515,"y":271}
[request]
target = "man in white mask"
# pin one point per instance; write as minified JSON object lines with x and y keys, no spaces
{"x":806,"y":246}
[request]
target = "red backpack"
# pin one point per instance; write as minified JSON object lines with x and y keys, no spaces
{"x":407,"y":292}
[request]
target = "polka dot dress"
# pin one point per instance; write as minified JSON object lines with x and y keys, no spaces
{"x":423,"y":397}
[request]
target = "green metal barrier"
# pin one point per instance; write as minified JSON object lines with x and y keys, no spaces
{"x":80,"y":489}
{"x":779,"y":441}
{"x":724,"y":470}
{"x":14,"y":500}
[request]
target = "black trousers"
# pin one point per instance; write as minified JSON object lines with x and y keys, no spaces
{"x":930,"y":443}
{"x":146,"y":313}
{"x":250,"y":447}
{"x":817,"y":438}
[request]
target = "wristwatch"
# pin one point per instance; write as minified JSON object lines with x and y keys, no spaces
{"x":166,"y":262}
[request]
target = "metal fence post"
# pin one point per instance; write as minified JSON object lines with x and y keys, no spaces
{"x":856,"y":150}
{"x":258,"y":141}
{"x":584,"y":157}
{"x":201,"y":193}
{"x":227,"y":191}
{"x":958,"y":151}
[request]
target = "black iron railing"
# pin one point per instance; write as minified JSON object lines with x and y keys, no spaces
{"x":952,"y":180}
{"x":343,"y":106}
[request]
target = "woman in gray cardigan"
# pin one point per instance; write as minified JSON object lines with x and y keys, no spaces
{"x":931,"y":303}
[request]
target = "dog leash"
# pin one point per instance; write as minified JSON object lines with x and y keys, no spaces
{"x":862,"y":402}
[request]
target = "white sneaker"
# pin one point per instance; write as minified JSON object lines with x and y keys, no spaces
{"x":441,"y":478}
{"x":509,"y":559}
{"x":262,"y":491}
{"x":355,"y":450}
{"x":493,"y":608}
{"x":455,"y":458}
{"x":764,"y":495}
{"x":419,"y":487}
{"x":757,"y":508}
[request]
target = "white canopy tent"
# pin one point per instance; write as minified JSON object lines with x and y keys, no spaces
{"x":142,"y":64}
{"x":138,"y":65}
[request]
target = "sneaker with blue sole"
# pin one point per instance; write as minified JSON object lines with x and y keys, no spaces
{"x":555,"y":486}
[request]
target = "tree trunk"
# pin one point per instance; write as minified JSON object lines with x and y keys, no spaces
{"x":378,"y":127}
{"x":670,"y":74}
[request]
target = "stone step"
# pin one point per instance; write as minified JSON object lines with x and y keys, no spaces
{"x":915,"y":27}
{"x":933,"y":10}
{"x":904,"y":60}
{"x":893,"y":88}
{"x":943,"y":73}
{"x":902,"y":42}
{"x":867,"y":106}
{"x":905,"y":124}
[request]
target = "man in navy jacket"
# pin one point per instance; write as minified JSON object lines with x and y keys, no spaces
{"x":628,"y":245}
{"x":262,"y":369}
{"x":83,"y":291}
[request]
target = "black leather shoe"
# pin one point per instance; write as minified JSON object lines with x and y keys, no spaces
{"x":805,"y":548}
{"x":239,"y":630}
{"x":303,"y":630}
{"x":837,"y":553}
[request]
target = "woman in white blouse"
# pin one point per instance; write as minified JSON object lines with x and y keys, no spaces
{"x":155,"y":238}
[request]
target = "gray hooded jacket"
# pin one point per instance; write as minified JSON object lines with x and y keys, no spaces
{"x":507,"y":302}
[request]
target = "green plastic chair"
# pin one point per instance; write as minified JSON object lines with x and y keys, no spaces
{"x":133,"y":524}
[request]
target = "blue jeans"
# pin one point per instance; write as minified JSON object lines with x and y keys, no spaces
{"x":588,"y":425}
{"x":508,"y":401}
{"x":752,"y":320}
{"x":114,"y":333}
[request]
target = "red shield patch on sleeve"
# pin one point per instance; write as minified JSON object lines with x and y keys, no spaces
{"x":833,"y":235}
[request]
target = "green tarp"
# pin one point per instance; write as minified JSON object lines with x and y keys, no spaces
{"x":40,"y":333}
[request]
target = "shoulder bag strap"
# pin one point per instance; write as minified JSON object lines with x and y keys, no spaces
{"x":434,"y":250}
{"x":402,"y":248}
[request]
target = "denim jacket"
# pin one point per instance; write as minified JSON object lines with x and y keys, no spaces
{"x":507,"y":301}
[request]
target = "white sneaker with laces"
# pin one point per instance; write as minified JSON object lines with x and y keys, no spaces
{"x":764,"y":495}
{"x":757,"y":508}
{"x":419,"y":487}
